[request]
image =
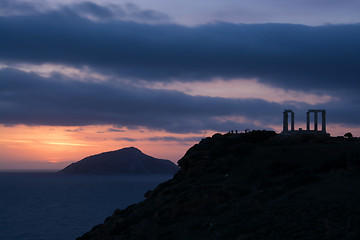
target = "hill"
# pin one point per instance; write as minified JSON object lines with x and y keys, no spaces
{"x":256,"y":185}
{"x":123,"y":161}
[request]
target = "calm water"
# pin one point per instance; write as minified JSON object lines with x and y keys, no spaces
{"x":48,"y":206}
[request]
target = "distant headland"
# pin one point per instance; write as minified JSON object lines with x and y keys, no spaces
{"x":123,"y":161}
{"x":252,"y":185}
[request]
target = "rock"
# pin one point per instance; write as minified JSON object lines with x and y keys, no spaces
{"x":123,"y":161}
{"x":276,"y":187}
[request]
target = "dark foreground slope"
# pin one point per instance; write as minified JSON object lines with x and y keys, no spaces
{"x":123,"y":161}
{"x":257,"y":185}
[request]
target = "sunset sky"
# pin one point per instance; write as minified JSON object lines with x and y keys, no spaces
{"x":83,"y":77}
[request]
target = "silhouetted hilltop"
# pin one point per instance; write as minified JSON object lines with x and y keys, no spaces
{"x":123,"y":161}
{"x":256,"y":185}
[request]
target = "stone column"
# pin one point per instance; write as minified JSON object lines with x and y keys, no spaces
{"x":285,"y":121}
{"x":316,"y":121}
{"x":292,"y":121}
{"x":323,"y":121}
{"x":307,"y":121}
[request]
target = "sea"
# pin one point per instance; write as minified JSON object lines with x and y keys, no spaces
{"x":51,"y":206}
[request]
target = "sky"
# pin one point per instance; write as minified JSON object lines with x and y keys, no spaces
{"x":82,"y":77}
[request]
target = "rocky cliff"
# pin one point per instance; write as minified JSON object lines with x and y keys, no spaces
{"x":256,"y":185}
{"x":123,"y":161}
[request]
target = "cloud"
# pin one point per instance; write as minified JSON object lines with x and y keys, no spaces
{"x":126,"y":139}
{"x":284,"y":55}
{"x":174,"y":139}
{"x":74,"y":130}
{"x":134,"y":12}
{"x":91,"y":9}
{"x":307,"y":12}
{"x":115,"y":130}
{"x":106,"y":39}
{"x":11,"y":7}
{"x":126,"y":12}
{"x":27,"y":98}
{"x":198,"y":12}
{"x":86,"y":9}
{"x":162,"y":139}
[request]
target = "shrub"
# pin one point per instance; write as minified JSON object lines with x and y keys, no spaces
{"x":348,"y":135}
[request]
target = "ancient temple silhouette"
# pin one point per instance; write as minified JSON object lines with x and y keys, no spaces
{"x":286,"y":120}
{"x":308,"y":128}
{"x":323,"y":120}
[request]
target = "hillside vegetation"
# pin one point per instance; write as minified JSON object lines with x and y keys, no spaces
{"x":256,"y":185}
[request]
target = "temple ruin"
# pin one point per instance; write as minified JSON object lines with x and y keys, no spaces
{"x":308,"y":130}
{"x":323,"y":120}
{"x":286,"y":120}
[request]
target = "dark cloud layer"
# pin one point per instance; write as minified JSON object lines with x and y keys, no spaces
{"x":115,"y":130}
{"x":166,"y":139}
{"x":13,"y":7}
{"x":85,"y":9}
{"x":322,"y":59}
{"x":290,"y":56}
{"x":26,"y":98}
{"x":128,"y":11}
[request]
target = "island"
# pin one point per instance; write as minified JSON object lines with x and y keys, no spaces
{"x":123,"y":161}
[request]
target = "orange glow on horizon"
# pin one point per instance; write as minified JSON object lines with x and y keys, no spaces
{"x":56,"y":147}
{"x":57,"y":144}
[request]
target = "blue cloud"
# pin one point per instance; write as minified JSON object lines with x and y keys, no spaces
{"x":322,"y":59}
{"x":290,"y":56}
{"x":26,"y":98}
